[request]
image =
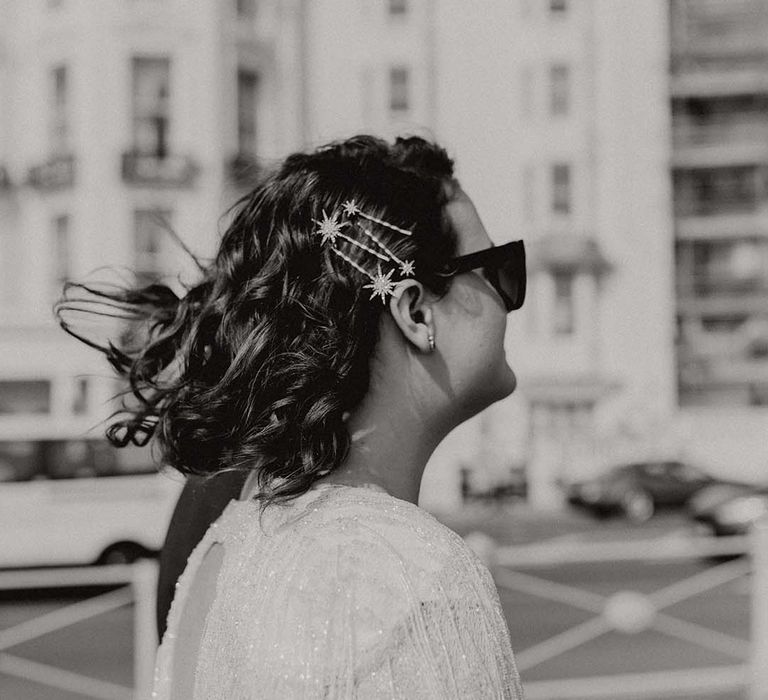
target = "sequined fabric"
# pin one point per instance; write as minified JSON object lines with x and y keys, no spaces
{"x":345,"y":593}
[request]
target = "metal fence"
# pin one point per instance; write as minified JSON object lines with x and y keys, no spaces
{"x":628,"y":612}
{"x":139,"y":590}
{"x":624,"y":612}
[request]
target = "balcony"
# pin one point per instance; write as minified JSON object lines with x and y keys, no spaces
{"x":719,"y":143}
{"x":719,"y":47}
{"x":728,"y":31}
{"x":716,"y":205}
{"x":715,"y":191}
{"x":705,"y":385}
{"x":718,"y":80}
{"x":58,"y":172}
{"x":719,"y":302}
{"x":242,"y":170}
{"x":722,"y":289}
{"x":723,"y":359}
{"x":166,"y":171}
{"x":720,"y":132}
{"x":568,"y":253}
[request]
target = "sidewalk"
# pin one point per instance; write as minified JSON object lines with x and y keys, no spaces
{"x":519,"y":523}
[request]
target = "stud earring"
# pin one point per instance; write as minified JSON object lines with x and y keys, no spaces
{"x":431,"y":341}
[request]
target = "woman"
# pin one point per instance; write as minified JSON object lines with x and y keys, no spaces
{"x":354,"y":314}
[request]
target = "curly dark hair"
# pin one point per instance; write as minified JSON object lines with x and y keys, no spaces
{"x":257,"y":365}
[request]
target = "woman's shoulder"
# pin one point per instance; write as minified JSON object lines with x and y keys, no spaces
{"x":359,"y":513}
{"x":375,"y":531}
{"x":360,"y":570}
{"x":361,"y":536}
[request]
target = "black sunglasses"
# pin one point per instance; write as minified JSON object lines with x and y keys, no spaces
{"x":503,"y":266}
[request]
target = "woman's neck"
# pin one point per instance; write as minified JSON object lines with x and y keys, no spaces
{"x":390,"y":448}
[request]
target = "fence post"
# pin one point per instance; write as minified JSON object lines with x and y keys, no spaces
{"x":759,"y":660}
{"x":144,"y":626}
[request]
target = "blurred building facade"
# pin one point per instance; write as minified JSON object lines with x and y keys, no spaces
{"x":719,"y":101}
{"x":116,"y":117}
{"x":120,"y":120}
{"x":563,"y":139}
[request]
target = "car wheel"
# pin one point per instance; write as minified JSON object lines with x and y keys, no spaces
{"x":124,"y":553}
{"x":638,"y":506}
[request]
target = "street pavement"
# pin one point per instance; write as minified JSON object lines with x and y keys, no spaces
{"x":102,"y":646}
{"x":518,"y":523}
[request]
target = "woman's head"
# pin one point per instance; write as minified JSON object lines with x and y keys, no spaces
{"x":259,"y":364}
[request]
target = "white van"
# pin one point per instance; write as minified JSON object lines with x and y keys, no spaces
{"x":70,"y":502}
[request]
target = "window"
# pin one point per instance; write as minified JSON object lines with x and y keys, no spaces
{"x":724,"y":323}
{"x":151,"y":109}
{"x":18,"y":461}
{"x":529,"y":194}
{"x":561,"y":188}
{"x":25,"y":460}
{"x":527,"y":94}
{"x":398,"y":8}
{"x":559,"y":89}
{"x":717,"y":190}
{"x":247,"y":103}
{"x":80,"y":397}
{"x":398,"y":89}
{"x":558,"y":7}
{"x":77,"y":459}
{"x":245,"y":8}
{"x":60,"y":253}
{"x":59,"y":110}
{"x":25,"y":397}
{"x":564,"y":303}
{"x":711,"y":268}
{"x":150,"y":228}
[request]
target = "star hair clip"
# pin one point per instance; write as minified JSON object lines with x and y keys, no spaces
{"x":330,"y":228}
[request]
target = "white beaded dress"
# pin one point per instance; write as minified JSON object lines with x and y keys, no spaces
{"x":346,"y":592}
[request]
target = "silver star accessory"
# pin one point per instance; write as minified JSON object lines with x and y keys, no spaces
{"x":329,"y":228}
{"x":381,"y":284}
{"x":407,"y":268}
{"x":350,"y":207}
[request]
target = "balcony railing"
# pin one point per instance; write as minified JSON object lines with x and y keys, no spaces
{"x":56,"y":173}
{"x":730,"y":288}
{"x":720,"y":190}
{"x":686,"y":134}
{"x":151,"y":169}
{"x":718,"y":34}
{"x":714,"y":205}
{"x":242,"y":170}
{"x":569,"y":252}
{"x":5,"y":179}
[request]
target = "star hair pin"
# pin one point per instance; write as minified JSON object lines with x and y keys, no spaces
{"x":407,"y":267}
{"x":381,"y":284}
{"x":351,"y":209}
{"x":330,"y":227}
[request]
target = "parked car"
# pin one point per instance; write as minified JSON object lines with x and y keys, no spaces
{"x":701,"y":504}
{"x":723,"y":513}
{"x":513,"y":487}
{"x":80,"y":501}
{"x":638,"y":490}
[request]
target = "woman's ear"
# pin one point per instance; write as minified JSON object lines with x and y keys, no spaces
{"x":412,"y":312}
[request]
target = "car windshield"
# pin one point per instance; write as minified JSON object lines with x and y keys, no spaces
{"x":685,"y":472}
